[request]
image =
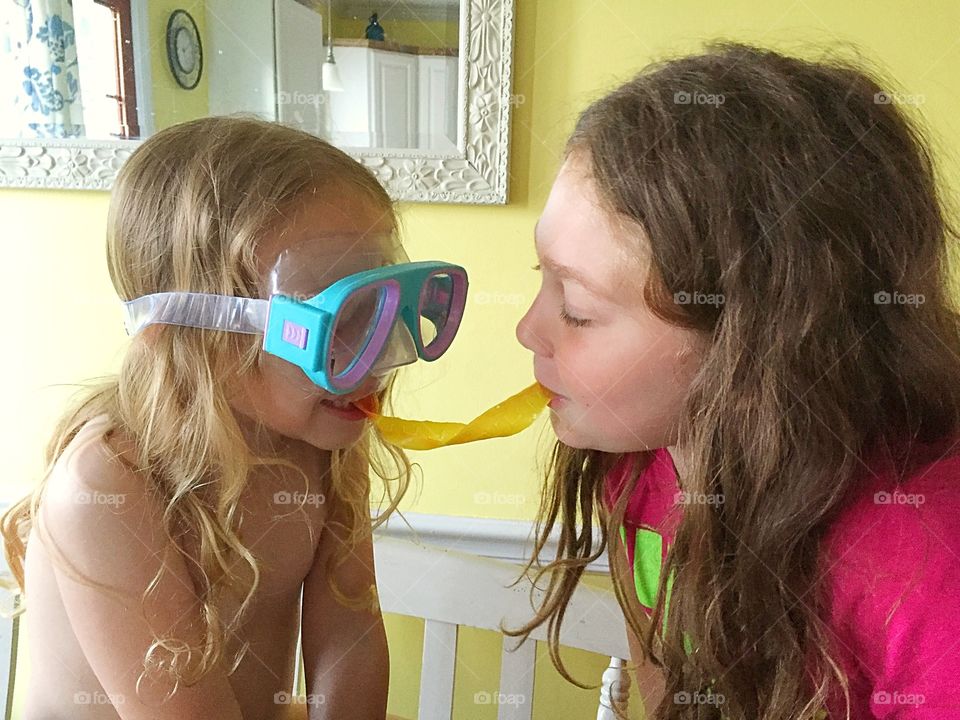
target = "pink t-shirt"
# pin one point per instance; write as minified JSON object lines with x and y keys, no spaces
{"x":892,"y":550}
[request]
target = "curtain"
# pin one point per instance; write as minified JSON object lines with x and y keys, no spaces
{"x":48,"y":98}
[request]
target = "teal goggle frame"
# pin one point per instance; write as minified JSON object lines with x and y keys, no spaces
{"x":302,"y":331}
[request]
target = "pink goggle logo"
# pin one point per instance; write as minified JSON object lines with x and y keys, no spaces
{"x":294,"y":334}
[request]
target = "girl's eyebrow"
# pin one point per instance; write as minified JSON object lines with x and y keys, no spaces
{"x":563,"y":271}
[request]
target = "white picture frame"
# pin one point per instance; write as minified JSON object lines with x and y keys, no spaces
{"x":476,"y":173}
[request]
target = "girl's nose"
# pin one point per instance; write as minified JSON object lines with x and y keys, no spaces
{"x":530,"y":334}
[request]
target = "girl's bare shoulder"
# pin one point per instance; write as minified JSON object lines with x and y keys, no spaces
{"x":99,"y":458}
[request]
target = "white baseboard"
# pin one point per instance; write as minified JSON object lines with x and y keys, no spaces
{"x":509,"y":540}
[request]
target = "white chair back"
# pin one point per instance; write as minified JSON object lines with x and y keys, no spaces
{"x":449,"y":589}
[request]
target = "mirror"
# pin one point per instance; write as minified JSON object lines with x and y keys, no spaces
{"x":418,"y":91}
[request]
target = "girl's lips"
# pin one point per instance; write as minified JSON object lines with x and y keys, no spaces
{"x":557,"y":401}
{"x":350,"y":412}
{"x":369,"y":404}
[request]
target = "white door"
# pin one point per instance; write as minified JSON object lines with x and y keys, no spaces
{"x":240,"y":61}
{"x":394,"y":99}
{"x":438,"y":103}
{"x":299,"y":57}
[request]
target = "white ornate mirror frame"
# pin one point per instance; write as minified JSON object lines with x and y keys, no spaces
{"x":476,"y":174}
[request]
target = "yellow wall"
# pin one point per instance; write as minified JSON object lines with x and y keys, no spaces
{"x":67,"y":325}
{"x":429,"y":33}
{"x":425,"y":33}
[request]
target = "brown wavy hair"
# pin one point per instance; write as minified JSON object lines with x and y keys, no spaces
{"x":805,"y":194}
{"x":186,"y":213}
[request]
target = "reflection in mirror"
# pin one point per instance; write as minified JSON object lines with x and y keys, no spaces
{"x":109,"y":69}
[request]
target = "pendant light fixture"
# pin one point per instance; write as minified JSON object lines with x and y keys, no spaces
{"x":331,"y":74}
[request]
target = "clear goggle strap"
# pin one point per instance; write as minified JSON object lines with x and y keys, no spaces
{"x":199,"y":310}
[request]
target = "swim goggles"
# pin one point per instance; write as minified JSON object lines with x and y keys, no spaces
{"x":340,"y":317}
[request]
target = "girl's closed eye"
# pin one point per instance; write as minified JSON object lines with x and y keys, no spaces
{"x":565,"y":314}
{"x":572,"y":320}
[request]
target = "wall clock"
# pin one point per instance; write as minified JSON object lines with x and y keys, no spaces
{"x":184,"y":49}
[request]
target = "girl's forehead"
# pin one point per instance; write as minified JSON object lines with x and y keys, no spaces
{"x":340,"y":218}
{"x":334,"y":254}
{"x":311,"y":265}
{"x":340,"y":245}
{"x":578,"y":233}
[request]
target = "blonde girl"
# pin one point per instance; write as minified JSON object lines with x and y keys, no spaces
{"x":190,"y":499}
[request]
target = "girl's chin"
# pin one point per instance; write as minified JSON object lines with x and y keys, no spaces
{"x":329,"y":442}
{"x":328,"y":430}
{"x":585,"y":437}
{"x":567,"y":434}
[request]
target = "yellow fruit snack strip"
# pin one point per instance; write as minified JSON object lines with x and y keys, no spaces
{"x":514,"y":414}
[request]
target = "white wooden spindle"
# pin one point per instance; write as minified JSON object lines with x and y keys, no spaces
{"x":614,"y":689}
{"x":439,"y":666}
{"x":9,"y":640}
{"x":298,"y":655}
{"x":10,"y":600}
{"x":515,"y":700}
